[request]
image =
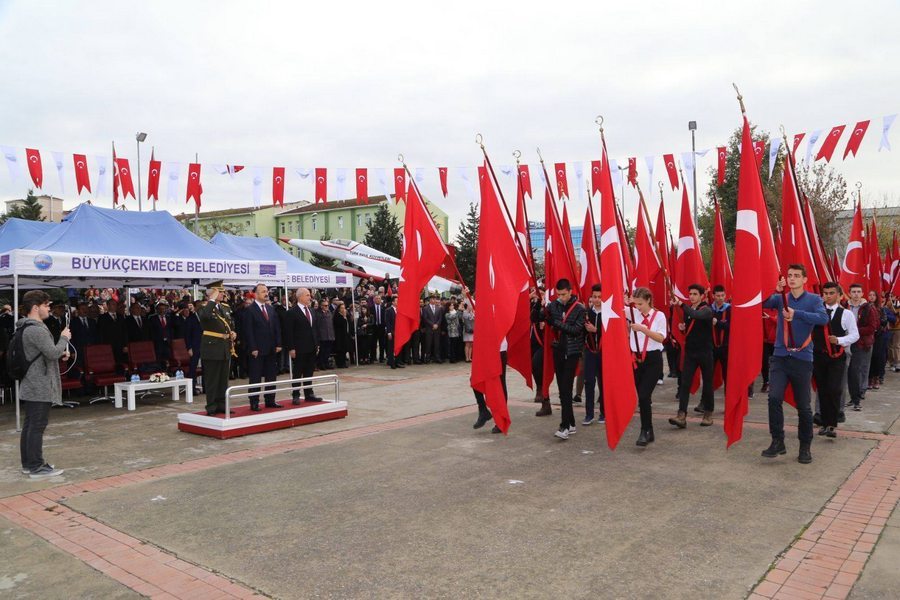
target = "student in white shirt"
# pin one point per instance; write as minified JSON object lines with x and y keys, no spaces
{"x":830,"y":343}
{"x":648,"y":330}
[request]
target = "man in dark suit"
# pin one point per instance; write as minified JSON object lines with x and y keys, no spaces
{"x":84,"y":331}
{"x":136,"y":324}
{"x":162,"y":329}
{"x":111,"y":330}
{"x":390,"y":325}
{"x":262,"y":334}
{"x":378,"y":341}
{"x":432,"y":316}
{"x":300,"y":341}
{"x":188,"y":328}
{"x":56,"y":322}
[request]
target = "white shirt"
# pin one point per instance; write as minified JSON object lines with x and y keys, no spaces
{"x":657,"y":325}
{"x":848,"y":324}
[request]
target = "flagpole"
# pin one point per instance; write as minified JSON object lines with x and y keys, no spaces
{"x":114,"y":173}
{"x":549,"y":190}
{"x":792,"y":170}
{"x":521,"y":188}
{"x":643,"y":206}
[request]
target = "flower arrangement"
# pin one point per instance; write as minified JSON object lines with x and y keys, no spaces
{"x":158,"y":378}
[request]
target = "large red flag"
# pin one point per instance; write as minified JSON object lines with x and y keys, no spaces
{"x":669,"y":159}
{"x":856,"y":138}
{"x":399,"y":184}
{"x":795,"y":244}
{"x":115,"y":187}
{"x":647,"y":268}
{"x":720,"y":271}
{"x":627,"y":260}
{"x":853,"y":270}
{"x":756,"y":276}
{"x":82,"y":177}
{"x":876,"y":266}
{"x":820,"y":257}
{"x":423,"y":253}
{"x":759,"y":148}
{"x":321,"y":184}
{"x":153,"y":178}
{"x":720,"y":173}
{"x":894,"y":265}
{"x":835,"y":265}
{"x":590,"y":264}
{"x":278,"y":186}
{"x":688,"y":259}
{"x":797,"y":139}
{"x":194,"y":189}
{"x":522,"y":224}
{"x":525,"y":179}
{"x":35,"y":169}
{"x":567,"y":237}
{"x":125,"y":180}
{"x":620,"y":396}
{"x":659,"y":286}
{"x":362,"y":186}
{"x":501,"y":278}
{"x":830,"y":143}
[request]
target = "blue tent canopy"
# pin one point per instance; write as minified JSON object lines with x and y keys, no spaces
{"x":18,"y":233}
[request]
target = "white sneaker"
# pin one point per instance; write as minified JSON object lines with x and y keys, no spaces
{"x":572,"y":430}
{"x":587,"y":422}
{"x":45,"y":472}
{"x":28,"y":471}
{"x":562,"y":434}
{"x":659,"y":381}
{"x":601,"y":419}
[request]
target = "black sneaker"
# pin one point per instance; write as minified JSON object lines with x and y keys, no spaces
{"x":822,"y":430}
{"x":831,"y":433}
{"x":577,"y":399}
{"x":842,"y":418}
{"x":698,"y":408}
{"x":45,"y":472}
{"x":775,"y":448}
{"x":805,"y":456}
{"x":28,"y":471}
{"x":857,"y":407}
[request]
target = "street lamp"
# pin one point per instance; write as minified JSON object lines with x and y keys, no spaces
{"x":622,"y":177}
{"x":140,"y":137}
{"x":692,"y":127}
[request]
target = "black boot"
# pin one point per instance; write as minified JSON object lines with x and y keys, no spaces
{"x":775,"y":448}
{"x":650,"y":437}
{"x":642,"y":439}
{"x":482,"y":419}
{"x":805,"y":456}
{"x":545,"y":409}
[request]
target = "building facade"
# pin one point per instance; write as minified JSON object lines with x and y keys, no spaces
{"x":51,"y":207}
{"x":249,"y":221}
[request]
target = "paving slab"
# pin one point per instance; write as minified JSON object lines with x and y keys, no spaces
{"x":442,"y":511}
{"x":880,"y":579}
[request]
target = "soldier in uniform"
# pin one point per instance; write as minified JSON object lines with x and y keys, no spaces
{"x":216,"y":348}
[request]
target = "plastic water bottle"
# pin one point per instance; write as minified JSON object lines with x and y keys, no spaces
{"x":135,"y":378}
{"x":179,"y":374}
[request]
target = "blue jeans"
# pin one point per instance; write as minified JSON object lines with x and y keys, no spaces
{"x":592,"y":370}
{"x":784,"y":370}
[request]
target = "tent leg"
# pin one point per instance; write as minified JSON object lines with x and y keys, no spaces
{"x":356,"y":333}
{"x":16,"y":318}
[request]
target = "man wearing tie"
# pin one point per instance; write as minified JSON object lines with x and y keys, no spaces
{"x":162,"y":330}
{"x":136,"y":324}
{"x":377,"y":349}
{"x":84,"y":331}
{"x":56,"y":322}
{"x":300,"y":340}
{"x":432,"y":317}
{"x":111,"y":330}
{"x":262,"y":334}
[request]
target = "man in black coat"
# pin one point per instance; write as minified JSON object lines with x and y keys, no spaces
{"x":390,"y":325}
{"x":56,"y":322}
{"x":262,"y":334}
{"x":84,"y":331}
{"x":136,"y":324}
{"x":301,"y":344}
{"x":432,"y":316}
{"x":111,"y":330}
{"x":162,"y":329}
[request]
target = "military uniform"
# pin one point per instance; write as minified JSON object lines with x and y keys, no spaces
{"x":215,"y":352}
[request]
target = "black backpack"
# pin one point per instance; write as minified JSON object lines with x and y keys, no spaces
{"x":17,"y":364}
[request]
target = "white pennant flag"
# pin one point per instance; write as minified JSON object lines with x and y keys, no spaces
{"x":774,"y":146}
{"x":303,"y":173}
{"x":60,"y":170}
{"x":687,"y":161}
{"x":579,"y":179}
{"x":540,"y":172}
{"x":508,"y":170}
{"x":173,"y":173}
{"x":257,"y":186}
{"x":420,"y":175}
{"x":885,"y":128}
{"x":702,"y":153}
{"x":381,"y":177}
{"x":466,"y":176}
{"x":813,"y":138}
{"x":616,"y":174}
{"x":649,"y":160}
{"x":12,"y":163}
{"x":100,"y":188}
{"x":341,"y":178}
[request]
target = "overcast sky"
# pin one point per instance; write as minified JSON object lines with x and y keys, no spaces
{"x":351,"y":84}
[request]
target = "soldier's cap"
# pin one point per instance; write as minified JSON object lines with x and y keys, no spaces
{"x":216,"y":285}
{"x":163,"y":302}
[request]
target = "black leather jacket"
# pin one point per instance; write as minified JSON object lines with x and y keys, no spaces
{"x":569,"y":329}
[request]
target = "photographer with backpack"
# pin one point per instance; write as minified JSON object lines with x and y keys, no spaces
{"x":33,"y":360}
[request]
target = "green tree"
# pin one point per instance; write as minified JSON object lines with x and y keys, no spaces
{"x":321,"y":261}
{"x":827,"y":193}
{"x":467,"y":246}
{"x":30,"y":210}
{"x":208,"y":229}
{"x":384,"y":234}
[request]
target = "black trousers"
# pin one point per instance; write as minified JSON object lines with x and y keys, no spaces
{"x":303,"y":365}
{"x":263,"y":366}
{"x":325,"y":354}
{"x":673,"y":356}
{"x":829,"y":375}
{"x":479,"y":397}
{"x":565,"y":367}
{"x":768,"y":349}
{"x":537,"y":367}
{"x":646,"y":375}
{"x":431,"y":344}
{"x":389,"y":349}
{"x":456,"y":349}
{"x":377,"y":348}
{"x":692,"y":362}
{"x":31,"y":444}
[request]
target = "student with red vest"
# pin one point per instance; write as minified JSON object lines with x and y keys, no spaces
{"x":648,"y":331}
{"x":593,"y":358}
{"x":696,"y":354}
{"x":830,"y":342}
{"x":721,"y":327}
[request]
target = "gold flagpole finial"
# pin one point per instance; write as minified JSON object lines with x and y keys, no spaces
{"x":400,"y":158}
{"x":783,"y":136}
{"x":740,"y":99}
{"x":517,"y":155}
{"x":479,"y":139}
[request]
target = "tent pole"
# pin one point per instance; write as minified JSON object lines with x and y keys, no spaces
{"x":287,"y":306}
{"x":355,"y":332}
{"x":15,"y":319}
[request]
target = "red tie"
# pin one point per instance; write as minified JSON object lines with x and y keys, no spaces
{"x":163,"y":321}
{"x":265,"y":312}
{"x":308,"y":317}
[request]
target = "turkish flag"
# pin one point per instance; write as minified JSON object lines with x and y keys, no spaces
{"x":895,"y":262}
{"x":525,"y":179}
{"x":321,"y":184}
{"x":720,"y":271}
{"x":620,"y":396}
{"x":501,"y":278}
{"x":125,"y":181}
{"x":442,"y":173}
{"x":194,"y":189}
{"x":759,"y":149}
{"x":567,"y":237}
{"x":115,"y":187}
{"x":659,"y":286}
{"x":522,"y":224}
{"x":722,"y":153}
{"x":423,"y":253}
{"x":835,"y":265}
{"x":647,"y":268}
{"x":562,"y":182}
{"x":82,"y":177}
{"x":853,"y":270}
{"x":596,"y":175}
{"x":669,"y":159}
{"x":797,"y":139}
{"x":232,"y":169}
{"x":153,"y":178}
{"x":795,"y":243}
{"x":278,"y":186}
{"x":856,"y":138}
{"x":627,"y":260}
{"x":632,"y":172}
{"x":824,"y":266}
{"x":688,"y":259}
{"x":590,"y":263}
{"x":876,"y":266}
{"x":34,"y":167}
{"x":755,"y":277}
{"x":399,"y":184}
{"x":830,"y":143}
{"x":362,"y":186}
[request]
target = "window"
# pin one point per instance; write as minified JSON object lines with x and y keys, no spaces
{"x":248,"y":223}
{"x":359,"y":219}
{"x":314,"y":223}
{"x":340,"y":222}
{"x":368,"y":220}
{"x":282,"y":227}
{"x":291,"y":227}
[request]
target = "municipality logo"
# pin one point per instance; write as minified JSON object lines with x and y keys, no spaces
{"x":266,"y":269}
{"x":340,"y":279}
{"x":4,"y":261}
{"x":43,"y":262}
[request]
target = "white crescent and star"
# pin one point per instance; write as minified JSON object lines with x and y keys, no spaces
{"x":721,"y":155}
{"x":362,"y":178}
{"x":278,"y":180}
{"x":154,"y":172}
{"x":854,"y":245}
{"x":33,"y":158}
{"x":321,"y":179}
{"x":80,"y":164}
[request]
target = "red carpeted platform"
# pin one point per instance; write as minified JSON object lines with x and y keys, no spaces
{"x":245,"y":421}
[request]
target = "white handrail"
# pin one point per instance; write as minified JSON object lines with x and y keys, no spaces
{"x":282,"y":385}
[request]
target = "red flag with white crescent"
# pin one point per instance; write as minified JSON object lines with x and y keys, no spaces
{"x":590,"y":264}
{"x":115,"y":187}
{"x":125,"y":180}
{"x":669,"y":159}
{"x":720,"y":175}
{"x":759,"y":149}
{"x":689,"y":267}
{"x":82,"y":176}
{"x":562,"y":182}
{"x":720,"y":270}
{"x":153,"y":175}
{"x":795,"y":245}
{"x":632,"y":172}
{"x":400,"y":184}
{"x":278,"y":186}
{"x":442,"y":173}
{"x":853,"y":269}
{"x":321,"y":184}
{"x":647,"y":268}
{"x":194,"y":188}
{"x":875,"y":264}
{"x":35,"y":169}
{"x":797,"y":139}
{"x":856,"y":138}
{"x":525,"y":179}
{"x":830,"y":143}
{"x":596,"y":175}
{"x":362,"y":186}
{"x":658,"y":285}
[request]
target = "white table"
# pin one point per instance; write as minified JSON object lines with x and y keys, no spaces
{"x":139,"y":386}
